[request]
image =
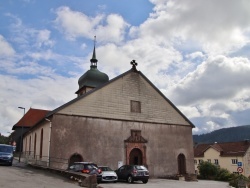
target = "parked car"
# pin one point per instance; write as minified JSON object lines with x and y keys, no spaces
{"x":108,"y":175}
{"x":132,"y":173}
{"x":6,"y":154}
{"x":88,"y":168}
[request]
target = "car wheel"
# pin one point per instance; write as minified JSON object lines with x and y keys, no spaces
{"x":130,"y":179}
{"x":145,"y":181}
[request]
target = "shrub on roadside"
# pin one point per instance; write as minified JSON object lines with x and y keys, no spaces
{"x":208,"y":170}
{"x":223,"y":175}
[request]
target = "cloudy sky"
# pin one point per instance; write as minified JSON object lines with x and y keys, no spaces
{"x":195,"y":51}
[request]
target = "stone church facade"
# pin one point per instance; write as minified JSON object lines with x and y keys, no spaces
{"x":126,"y":120}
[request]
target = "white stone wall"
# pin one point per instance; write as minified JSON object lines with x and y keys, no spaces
{"x":113,"y":101}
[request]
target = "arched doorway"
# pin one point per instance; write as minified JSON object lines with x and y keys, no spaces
{"x":135,"y":157}
{"x":182,"y":164}
{"x":75,"y":158}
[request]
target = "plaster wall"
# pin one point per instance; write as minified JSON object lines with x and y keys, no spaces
{"x":102,"y":141}
{"x":29,"y":142}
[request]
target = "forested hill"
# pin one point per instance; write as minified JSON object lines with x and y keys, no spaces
{"x":232,"y":134}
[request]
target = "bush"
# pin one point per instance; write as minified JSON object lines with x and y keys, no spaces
{"x":235,"y":178}
{"x":208,"y":170}
{"x":223,"y":175}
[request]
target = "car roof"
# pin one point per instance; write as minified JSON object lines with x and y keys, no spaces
{"x":6,"y":145}
{"x":84,"y":163}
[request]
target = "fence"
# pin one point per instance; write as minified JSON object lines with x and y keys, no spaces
{"x":44,"y":161}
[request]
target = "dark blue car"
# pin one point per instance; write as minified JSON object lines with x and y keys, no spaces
{"x":6,"y":154}
{"x":132,"y":173}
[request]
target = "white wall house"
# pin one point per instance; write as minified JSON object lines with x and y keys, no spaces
{"x":233,"y":156}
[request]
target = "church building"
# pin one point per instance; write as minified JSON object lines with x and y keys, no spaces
{"x":125,"y":120}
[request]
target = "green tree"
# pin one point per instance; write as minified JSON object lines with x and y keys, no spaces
{"x":208,"y":170}
{"x":4,"y":140}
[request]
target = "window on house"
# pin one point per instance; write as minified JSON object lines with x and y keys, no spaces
{"x":195,"y":161}
{"x":216,"y":161}
{"x":209,"y":160}
{"x":35,"y":146}
{"x":30,"y":146}
{"x":41,"y":144}
{"x":200,"y":161}
{"x":234,"y":161}
{"x":135,"y":106}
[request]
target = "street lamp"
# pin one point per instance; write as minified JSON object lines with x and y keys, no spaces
{"x":21,"y":144}
{"x":50,"y":125}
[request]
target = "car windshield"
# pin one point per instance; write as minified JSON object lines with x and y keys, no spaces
{"x":6,"y":149}
{"x":105,"y":168}
{"x":90,"y":166}
{"x":140,"y":167}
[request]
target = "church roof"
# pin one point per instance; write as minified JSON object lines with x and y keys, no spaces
{"x":133,"y":69}
{"x":31,"y":118}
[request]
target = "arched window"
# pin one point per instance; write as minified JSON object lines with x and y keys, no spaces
{"x":41,"y":144}
{"x":181,"y":164}
{"x":30,"y":146}
{"x":35,"y":146}
{"x":25,"y":149}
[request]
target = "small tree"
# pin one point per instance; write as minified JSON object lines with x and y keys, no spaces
{"x":208,"y":170}
{"x":3,"y":139}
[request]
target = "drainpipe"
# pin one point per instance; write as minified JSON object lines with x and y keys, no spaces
{"x":50,"y":125}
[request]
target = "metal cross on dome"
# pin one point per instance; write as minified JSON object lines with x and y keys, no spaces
{"x":134,"y":64}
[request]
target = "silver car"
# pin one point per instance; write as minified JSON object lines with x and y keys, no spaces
{"x":108,"y":175}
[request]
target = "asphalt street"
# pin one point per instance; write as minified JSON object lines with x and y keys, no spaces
{"x":23,"y":176}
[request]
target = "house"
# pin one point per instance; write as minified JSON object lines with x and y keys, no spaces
{"x":126,"y":120}
{"x":233,"y":156}
{"x":29,"y":119}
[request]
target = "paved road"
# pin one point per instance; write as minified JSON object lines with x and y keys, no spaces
{"x":22,"y":176}
{"x":160,"y":183}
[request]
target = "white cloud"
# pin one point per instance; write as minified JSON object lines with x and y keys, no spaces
{"x":113,"y":30}
{"x":6,"y":48}
{"x":76,"y":24}
{"x":218,"y":26}
{"x":28,"y":38}
{"x":42,"y":93}
{"x":43,"y":38}
{"x":195,"y":55}
{"x":215,"y":93}
{"x":219,"y":78}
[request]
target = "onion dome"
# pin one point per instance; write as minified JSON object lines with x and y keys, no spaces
{"x":93,"y":77}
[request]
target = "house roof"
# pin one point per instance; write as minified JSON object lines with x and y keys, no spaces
{"x":133,"y":69}
{"x":226,"y":149}
{"x":31,"y":118}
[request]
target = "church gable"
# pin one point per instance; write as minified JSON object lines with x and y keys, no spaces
{"x":130,"y":96}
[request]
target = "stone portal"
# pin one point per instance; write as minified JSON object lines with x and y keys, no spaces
{"x":135,"y":149}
